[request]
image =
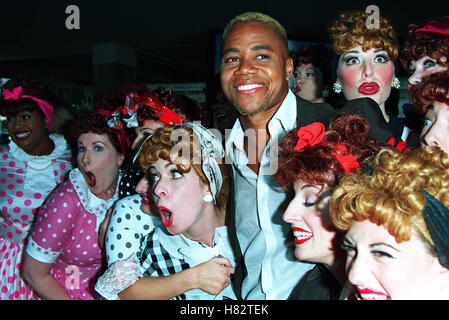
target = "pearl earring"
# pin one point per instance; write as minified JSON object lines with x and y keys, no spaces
{"x":396,"y":83}
{"x":208,"y":198}
{"x":337,"y":87}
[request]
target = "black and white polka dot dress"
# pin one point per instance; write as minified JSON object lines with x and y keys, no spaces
{"x":128,"y":225}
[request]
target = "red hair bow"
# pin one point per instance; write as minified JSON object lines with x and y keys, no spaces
{"x":14,"y":94}
{"x":309,"y":135}
{"x":128,"y":112}
{"x":434,"y":27}
{"x":313,"y":134}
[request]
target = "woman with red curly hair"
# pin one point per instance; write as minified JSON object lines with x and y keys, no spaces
{"x":312,"y":72}
{"x":431,"y":99}
{"x":366,"y":69}
{"x":425,"y":50}
{"x":366,"y":57}
{"x":313,"y":160}
{"x":62,"y":256}
{"x":32,"y":164}
{"x":189,"y":257}
{"x":396,"y":219}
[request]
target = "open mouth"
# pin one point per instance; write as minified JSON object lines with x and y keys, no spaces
{"x":91,"y":180}
{"x":166,"y":216}
{"x":22,"y":135}
{"x":248,"y":87}
{"x":369,"y":88}
{"x":301,"y":235}
{"x":145,"y":200}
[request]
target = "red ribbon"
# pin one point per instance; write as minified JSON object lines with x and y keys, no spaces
{"x":133,"y":102}
{"x":401,"y":146}
{"x":312,"y":134}
{"x":434,"y":27}
{"x":166,"y":115}
{"x":347,"y":161}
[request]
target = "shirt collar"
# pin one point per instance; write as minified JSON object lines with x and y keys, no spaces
{"x":284,"y":118}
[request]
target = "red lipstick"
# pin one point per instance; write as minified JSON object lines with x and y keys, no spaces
{"x":369,"y":294}
{"x":166,"y":216}
{"x":301,"y":235}
{"x":369,"y":88}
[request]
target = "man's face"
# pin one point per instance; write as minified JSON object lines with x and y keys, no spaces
{"x":254,"y":68}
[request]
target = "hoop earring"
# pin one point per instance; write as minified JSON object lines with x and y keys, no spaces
{"x":396,"y":83}
{"x":337,"y":87}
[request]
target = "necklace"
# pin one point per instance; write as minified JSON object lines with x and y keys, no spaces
{"x":27,"y":165}
{"x":109,"y":190}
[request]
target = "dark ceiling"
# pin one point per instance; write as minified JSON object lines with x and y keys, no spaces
{"x":174,"y":40}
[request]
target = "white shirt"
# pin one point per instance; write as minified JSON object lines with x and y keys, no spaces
{"x":272,"y":268}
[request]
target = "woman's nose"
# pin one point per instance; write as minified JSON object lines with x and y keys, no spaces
{"x":142,"y":186}
{"x":368,"y":69}
{"x":160,"y":189}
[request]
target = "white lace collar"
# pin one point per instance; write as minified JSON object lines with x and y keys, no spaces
{"x":91,"y":202}
{"x":58,"y":151}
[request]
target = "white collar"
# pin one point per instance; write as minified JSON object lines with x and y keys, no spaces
{"x":194,"y":252}
{"x":285,"y":116}
{"x":91,"y":202}
{"x":58,"y":151}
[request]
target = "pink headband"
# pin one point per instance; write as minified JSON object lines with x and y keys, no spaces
{"x":434,"y":27}
{"x":312,"y":134}
{"x":46,"y":108}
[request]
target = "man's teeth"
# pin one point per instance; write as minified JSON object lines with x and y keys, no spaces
{"x":302,"y":235}
{"x":249,"y":87}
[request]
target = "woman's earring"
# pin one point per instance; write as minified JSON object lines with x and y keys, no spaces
{"x":396,"y":83}
{"x":337,"y":87}
{"x":208,"y":198}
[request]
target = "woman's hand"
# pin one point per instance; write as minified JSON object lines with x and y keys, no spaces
{"x":214,"y":275}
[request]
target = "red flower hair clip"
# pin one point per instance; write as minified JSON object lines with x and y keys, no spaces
{"x":309,"y":135}
{"x":312,"y":134}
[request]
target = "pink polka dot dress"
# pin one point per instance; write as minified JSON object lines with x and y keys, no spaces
{"x":25,"y":182}
{"x":66,"y":235}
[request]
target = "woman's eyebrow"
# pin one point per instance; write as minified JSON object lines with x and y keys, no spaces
{"x":383,"y":244}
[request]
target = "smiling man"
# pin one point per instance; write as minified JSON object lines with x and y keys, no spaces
{"x":255,"y":69}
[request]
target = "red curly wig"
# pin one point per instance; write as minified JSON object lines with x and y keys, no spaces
{"x":316,"y":164}
{"x":350,"y":31}
{"x":434,"y":88}
{"x":418,"y":44}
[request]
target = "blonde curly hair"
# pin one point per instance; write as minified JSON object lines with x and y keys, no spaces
{"x":350,"y":30}
{"x":161,"y":146}
{"x":388,"y":194}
